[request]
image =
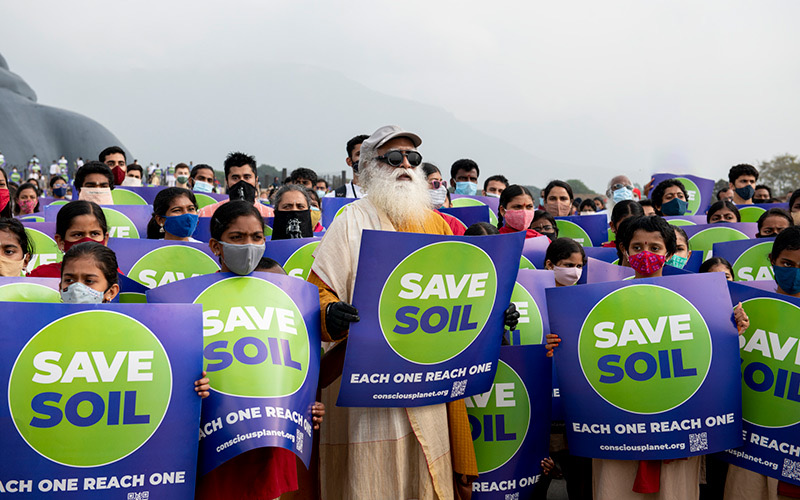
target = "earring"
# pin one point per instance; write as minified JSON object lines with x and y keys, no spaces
{"x":161,"y":230}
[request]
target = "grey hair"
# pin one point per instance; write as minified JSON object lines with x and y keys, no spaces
{"x":285,"y":189}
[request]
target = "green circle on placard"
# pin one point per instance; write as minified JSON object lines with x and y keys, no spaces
{"x":499,"y":419}
{"x":122,"y":196}
{"x":267,"y":230}
{"x":753,"y":264}
{"x":769,"y":366}
{"x":437,"y":300}
{"x":30,"y":218}
{"x":525,"y":263}
{"x":171,"y":263}
{"x":695,"y":198}
{"x":261,"y":330}
{"x":132,"y":298}
{"x":472,"y":202}
{"x":705,"y":239}
{"x":681,"y":222}
{"x":119,"y":225}
{"x":567,"y":229}
{"x":28,"y":292}
{"x":299,"y":263}
{"x":627,"y":347}
{"x":59,"y":202}
{"x":45,"y":249}
{"x":100,"y":377}
{"x":750,"y":214}
{"x":530,"y":326}
{"x":203,"y":200}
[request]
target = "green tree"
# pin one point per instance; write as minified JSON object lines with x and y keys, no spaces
{"x":782,"y":174}
{"x":266,"y":173}
{"x":579,"y":187}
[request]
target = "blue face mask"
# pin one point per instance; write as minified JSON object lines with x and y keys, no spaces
{"x":60,"y":191}
{"x":677,"y":261}
{"x":622,"y":194}
{"x":203,"y":187}
{"x":675,"y":206}
{"x":746,"y":192}
{"x":181,"y":226}
{"x":467,"y":188}
{"x":788,"y":278}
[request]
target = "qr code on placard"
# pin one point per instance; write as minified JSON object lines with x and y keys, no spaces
{"x":791,"y":469}
{"x":459,"y":387}
{"x":144,"y":495}
{"x":512,"y":496}
{"x":698,"y":442}
{"x":298,"y":440}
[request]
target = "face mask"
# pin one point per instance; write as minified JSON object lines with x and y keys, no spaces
{"x":551,"y":235}
{"x":4,"y":197}
{"x":11,"y":268}
{"x":646,"y":263}
{"x":182,"y":179}
{"x":622,"y":194}
{"x":203,"y":187}
{"x":567,"y":276}
{"x":60,"y":192}
{"x":316,"y":216}
{"x":242,"y":259}
{"x":541,"y":201}
{"x":321,"y":193}
{"x":492,"y":195}
{"x":101,"y":196}
{"x":119,"y":175}
{"x":788,"y":278}
{"x":242,"y":190}
{"x":70,"y":244}
{"x":27,"y":206}
{"x":182,"y":225}
{"x":677,"y":261}
{"x":467,"y":188}
{"x":519,"y":219}
{"x":355,"y":167}
{"x":438,"y":196}
{"x":292,"y":224}
{"x":746,"y":192}
{"x":675,"y":206}
{"x":132,"y":182}
{"x":78,"y":293}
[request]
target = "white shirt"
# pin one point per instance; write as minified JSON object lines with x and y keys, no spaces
{"x":351,"y":191}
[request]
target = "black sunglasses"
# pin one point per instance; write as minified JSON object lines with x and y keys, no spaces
{"x":395,"y":158}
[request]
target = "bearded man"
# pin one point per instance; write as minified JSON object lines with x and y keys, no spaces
{"x":421,"y":452}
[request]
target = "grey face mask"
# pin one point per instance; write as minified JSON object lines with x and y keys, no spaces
{"x":242,"y":259}
{"x":78,"y":293}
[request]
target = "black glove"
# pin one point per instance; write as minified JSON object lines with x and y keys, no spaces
{"x":511,"y":317}
{"x":338,"y":317}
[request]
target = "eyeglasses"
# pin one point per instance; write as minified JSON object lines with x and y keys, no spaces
{"x":436,"y":183}
{"x":395,"y":158}
{"x":544,"y":229}
{"x":618,"y":185}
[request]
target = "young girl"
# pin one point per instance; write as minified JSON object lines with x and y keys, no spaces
{"x":620,"y":212}
{"x":723,"y":211}
{"x":669,"y":198}
{"x":544,"y":223}
{"x":440,"y":197}
{"x":26,"y":199}
{"x":174,"y":215}
{"x":5,"y":196}
{"x":76,"y":222}
{"x":682,"y":252}
{"x":566,"y":258}
{"x":717,"y":265}
{"x":516,"y":211}
{"x":237,"y":237}
{"x":15,"y":248}
{"x":773,"y":222}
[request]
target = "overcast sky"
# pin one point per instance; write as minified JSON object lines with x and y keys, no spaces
{"x":620,"y":86}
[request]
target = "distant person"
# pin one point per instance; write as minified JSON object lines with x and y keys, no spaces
{"x":241,"y":181}
{"x":303,"y":177}
{"x":114,"y":157}
{"x":763,"y":194}
{"x":54,"y":169}
{"x":620,"y":188}
{"x":493,"y":186}
{"x":321,"y":187}
{"x":133,"y":175}
{"x":558,"y":198}
{"x":351,"y":189}
{"x":58,"y":187}
{"x":742,"y":179}
{"x":464,"y":175}
{"x":63,"y":166}
{"x":647,"y":206}
{"x":182,"y":174}
{"x":725,"y":193}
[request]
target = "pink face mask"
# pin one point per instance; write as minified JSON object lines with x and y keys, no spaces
{"x":27,"y":206}
{"x":647,"y":263}
{"x":519,"y":219}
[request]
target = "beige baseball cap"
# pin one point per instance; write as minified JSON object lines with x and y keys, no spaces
{"x":386,"y":134}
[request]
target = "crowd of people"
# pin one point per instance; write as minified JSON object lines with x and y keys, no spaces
{"x":422,"y":452}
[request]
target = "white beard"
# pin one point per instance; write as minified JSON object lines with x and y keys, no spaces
{"x":405,"y":202}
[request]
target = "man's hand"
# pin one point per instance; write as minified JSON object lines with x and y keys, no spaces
{"x":338,"y":317}
{"x":511,"y":317}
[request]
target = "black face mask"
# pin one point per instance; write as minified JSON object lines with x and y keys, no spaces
{"x":551,"y":235}
{"x":355,"y":167}
{"x":242,"y":190}
{"x":290,"y":224}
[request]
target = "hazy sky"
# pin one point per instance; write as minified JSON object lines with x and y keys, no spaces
{"x":605,"y":87}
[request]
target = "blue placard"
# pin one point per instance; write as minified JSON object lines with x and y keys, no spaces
{"x":529,"y":298}
{"x":533,"y":253}
{"x":749,"y":258}
{"x":431,"y":312}
{"x":158,"y":262}
{"x":699,"y":189}
{"x":468,"y":215}
{"x":588,"y":230}
{"x":598,"y":271}
{"x":331,"y":207}
{"x":702,"y":237}
{"x":294,"y":255}
{"x":622,"y":341}
{"x":606,"y":254}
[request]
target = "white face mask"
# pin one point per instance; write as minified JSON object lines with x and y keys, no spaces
{"x":132,"y":182}
{"x":11,"y":268}
{"x":242,"y":259}
{"x":78,"y":293}
{"x":492,"y":195}
{"x":438,"y":196}
{"x":567,"y":276}
{"x":101,"y":196}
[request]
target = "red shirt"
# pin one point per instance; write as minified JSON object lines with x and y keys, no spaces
{"x":259,"y":474}
{"x":455,"y":225}
{"x":46,"y":271}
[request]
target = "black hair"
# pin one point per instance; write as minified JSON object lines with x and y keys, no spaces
{"x":134,"y":166}
{"x":764,"y":186}
{"x":8,"y":210}
{"x":646,"y":202}
{"x":227,"y":213}
{"x":788,"y":239}
{"x":237,"y":159}
{"x":481,"y":229}
{"x":601,"y":200}
{"x":429,"y":168}
{"x":24,"y":186}
{"x":302,"y":173}
{"x":706,"y":266}
{"x":588,"y":202}
{"x":93,"y":167}
{"x":497,"y":178}
{"x":682,"y":232}
{"x":77,"y":208}
{"x":719,"y":205}
{"x":650,"y":224}
{"x":322,"y":180}
{"x":313,"y":196}
{"x":560,"y":184}
{"x":658,"y":192}
{"x":104,"y":257}
{"x":16,"y":228}
{"x":561,"y":248}
{"x":266,"y":264}
{"x":622,"y":228}
{"x":160,"y":206}
{"x":509,"y":194}
{"x":543,"y":214}
{"x":276,"y":197}
{"x":727,"y":188}
{"x":200,"y":167}
{"x":355,"y":141}
{"x":793,"y":198}
{"x":110,"y":151}
{"x":55,"y":179}
{"x":779,"y":212}
{"x":466,"y":165}
{"x":737,"y":171}
{"x":625,"y":208}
